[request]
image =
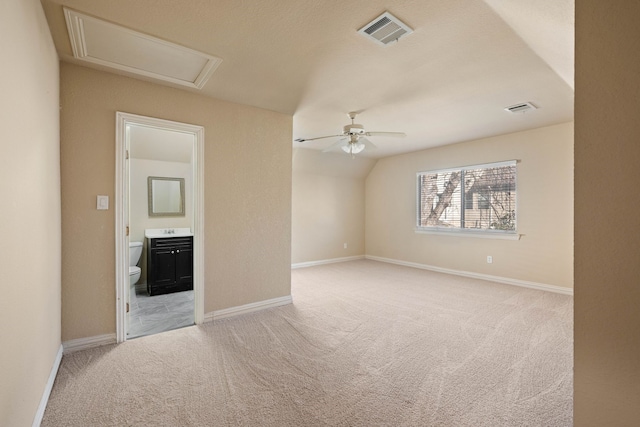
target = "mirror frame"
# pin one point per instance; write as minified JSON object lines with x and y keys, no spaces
{"x":152,"y":212}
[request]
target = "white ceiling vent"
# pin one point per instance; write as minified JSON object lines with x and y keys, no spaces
{"x":385,"y":29}
{"x":99,"y":42}
{"x":521,"y":108}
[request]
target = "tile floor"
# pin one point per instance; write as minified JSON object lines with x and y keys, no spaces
{"x":160,"y":313}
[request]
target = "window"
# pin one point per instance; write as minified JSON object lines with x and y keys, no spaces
{"x":488,"y":202}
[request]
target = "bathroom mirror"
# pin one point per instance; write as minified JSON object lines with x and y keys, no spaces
{"x":166,"y":196}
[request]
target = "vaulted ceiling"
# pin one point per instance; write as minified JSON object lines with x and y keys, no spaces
{"x":446,"y":82}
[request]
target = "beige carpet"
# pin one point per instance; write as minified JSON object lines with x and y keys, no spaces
{"x":364,"y":344}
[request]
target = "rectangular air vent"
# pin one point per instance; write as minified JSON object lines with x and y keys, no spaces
{"x":520,"y":108}
{"x":385,"y":29}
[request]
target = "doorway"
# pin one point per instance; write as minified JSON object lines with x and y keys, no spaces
{"x":143,"y":143}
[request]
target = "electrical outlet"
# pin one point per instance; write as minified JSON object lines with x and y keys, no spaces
{"x":345,"y":246}
{"x":489,"y":259}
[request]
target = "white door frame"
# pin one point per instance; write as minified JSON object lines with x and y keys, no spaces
{"x":122,"y":213}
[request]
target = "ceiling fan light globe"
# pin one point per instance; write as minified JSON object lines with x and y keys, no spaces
{"x":353,"y":148}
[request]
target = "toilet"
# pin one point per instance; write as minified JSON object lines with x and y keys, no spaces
{"x":135,"y":250}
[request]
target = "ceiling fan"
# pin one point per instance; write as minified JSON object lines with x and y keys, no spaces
{"x":353,"y":137}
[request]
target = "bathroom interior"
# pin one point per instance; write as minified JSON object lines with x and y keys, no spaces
{"x":160,"y":209}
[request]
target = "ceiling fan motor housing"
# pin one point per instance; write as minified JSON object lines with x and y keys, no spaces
{"x":354,"y":129}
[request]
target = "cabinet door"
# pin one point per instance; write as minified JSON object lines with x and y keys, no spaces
{"x":164,"y":266}
{"x":184,"y":264}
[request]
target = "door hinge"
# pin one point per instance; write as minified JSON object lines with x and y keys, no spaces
{"x":127,"y":155}
{"x":127,"y":230}
{"x":127,"y":307}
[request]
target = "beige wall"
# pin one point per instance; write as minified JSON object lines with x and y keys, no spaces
{"x":247,"y":194}
{"x":543,"y":255}
{"x":607,"y":236}
{"x":30,"y":224}
{"x":139,"y":219}
{"x":327,"y":205}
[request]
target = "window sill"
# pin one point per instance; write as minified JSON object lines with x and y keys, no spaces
{"x":468,"y":233}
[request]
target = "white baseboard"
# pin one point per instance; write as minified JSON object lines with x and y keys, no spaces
{"x":47,"y":389}
{"x":89,"y":342}
{"x":247,"y":308}
{"x":498,"y":279}
{"x":325,"y":261}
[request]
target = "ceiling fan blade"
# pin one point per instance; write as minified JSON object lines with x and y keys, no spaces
{"x":318,"y":137}
{"x":394,"y":134}
{"x":367,"y":144}
{"x":340,"y":143}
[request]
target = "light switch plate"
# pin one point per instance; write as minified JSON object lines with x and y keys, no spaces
{"x":103,"y":203}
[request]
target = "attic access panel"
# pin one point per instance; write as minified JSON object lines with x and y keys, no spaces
{"x":100,"y":42}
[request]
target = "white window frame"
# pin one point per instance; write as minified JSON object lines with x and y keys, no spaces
{"x":467,"y":232}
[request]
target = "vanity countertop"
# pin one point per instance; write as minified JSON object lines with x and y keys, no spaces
{"x":157,"y":233}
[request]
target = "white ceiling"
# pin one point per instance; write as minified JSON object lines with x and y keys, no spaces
{"x":446,"y":82}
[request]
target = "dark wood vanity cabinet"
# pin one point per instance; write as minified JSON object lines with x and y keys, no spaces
{"x":169,"y":265}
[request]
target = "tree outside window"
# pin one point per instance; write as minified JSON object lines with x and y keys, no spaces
{"x":488,"y":201}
